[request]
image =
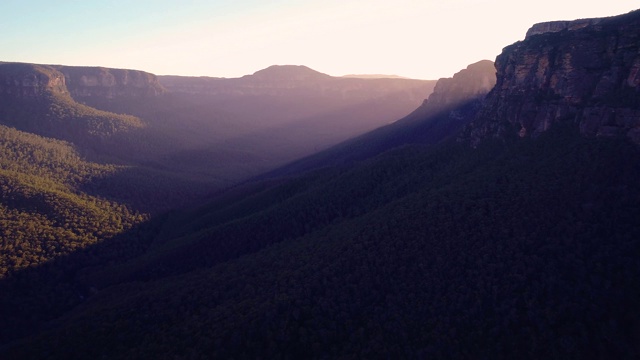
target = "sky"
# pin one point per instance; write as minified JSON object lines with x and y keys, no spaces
{"x":423,"y":39}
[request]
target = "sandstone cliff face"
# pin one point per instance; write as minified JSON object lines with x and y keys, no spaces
{"x":32,"y":80}
{"x":460,"y":96}
{"x":36,"y":98}
{"x":556,"y":26}
{"x":585,"y":73}
{"x":28,"y":80}
{"x":468,"y":84}
{"x":84,"y":82}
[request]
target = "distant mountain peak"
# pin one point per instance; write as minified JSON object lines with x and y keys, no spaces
{"x":373,"y":76}
{"x":288,"y":73}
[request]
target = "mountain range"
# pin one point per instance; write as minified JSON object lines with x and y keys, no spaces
{"x":496,"y":219}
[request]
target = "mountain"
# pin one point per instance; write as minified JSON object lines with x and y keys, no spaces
{"x":89,"y":154}
{"x":480,"y":244}
{"x":293,"y":79}
{"x":585,"y":73}
{"x":198,"y":142}
{"x":303,"y":110}
{"x":39,"y":99}
{"x":452,"y":105}
{"x":35,"y":98}
{"x":373,"y":76}
{"x":231,"y":129}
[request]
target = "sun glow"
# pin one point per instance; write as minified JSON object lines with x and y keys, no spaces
{"x":420,"y":39}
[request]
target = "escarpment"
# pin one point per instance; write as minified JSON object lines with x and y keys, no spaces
{"x":584,"y":73}
{"x":86,"y":82}
{"x":42,"y":99}
{"x":472,"y":83}
{"x":29,"y":80}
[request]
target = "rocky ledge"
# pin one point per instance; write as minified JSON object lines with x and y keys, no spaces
{"x":108,"y":83}
{"x":31,"y":80}
{"x":586,"y":73}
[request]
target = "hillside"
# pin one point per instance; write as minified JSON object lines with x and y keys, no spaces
{"x":34,"y":98}
{"x":452,"y":105}
{"x":178,"y":145}
{"x":417,"y":253}
{"x":43,"y":215}
{"x":91,"y":158}
{"x":302,"y":110}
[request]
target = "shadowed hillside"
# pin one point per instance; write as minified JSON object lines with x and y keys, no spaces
{"x":453,"y":104}
{"x":303,"y":109}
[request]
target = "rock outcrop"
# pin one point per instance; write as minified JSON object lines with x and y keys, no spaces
{"x":556,"y":26}
{"x":36,"y":98}
{"x":23,"y":79}
{"x":29,"y":80}
{"x":586,"y":73}
{"x":454,"y":102}
{"x":472,"y":83}
{"x":84,"y":82}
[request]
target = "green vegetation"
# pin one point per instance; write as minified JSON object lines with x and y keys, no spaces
{"x":42,"y":212}
{"x":520,"y":248}
{"x":47,"y":109}
{"x":526,"y":249}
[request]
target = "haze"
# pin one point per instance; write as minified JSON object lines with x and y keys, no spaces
{"x":412,"y":38}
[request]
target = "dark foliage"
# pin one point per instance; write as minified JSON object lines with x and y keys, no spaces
{"x":514,"y":250}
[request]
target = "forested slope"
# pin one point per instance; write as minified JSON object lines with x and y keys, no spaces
{"x":44,"y":215}
{"x":513,"y":236}
{"x":521,"y":249}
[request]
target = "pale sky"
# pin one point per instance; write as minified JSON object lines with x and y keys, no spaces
{"x":425,"y":39}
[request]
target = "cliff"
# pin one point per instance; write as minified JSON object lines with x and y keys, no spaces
{"x":29,"y":80}
{"x":36,"y":98}
{"x":584,"y":73}
{"x":472,"y":83}
{"x":557,"y":26}
{"x":23,"y":79}
{"x":84,"y":82}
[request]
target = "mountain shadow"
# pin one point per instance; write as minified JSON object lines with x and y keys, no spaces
{"x":416,"y":253}
{"x":453,"y":104}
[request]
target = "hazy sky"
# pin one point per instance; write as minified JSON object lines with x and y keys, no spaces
{"x":425,"y":39}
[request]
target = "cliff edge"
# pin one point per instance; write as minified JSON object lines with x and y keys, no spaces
{"x":586,"y":73}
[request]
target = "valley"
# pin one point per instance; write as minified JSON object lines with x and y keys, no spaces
{"x":291,"y":214}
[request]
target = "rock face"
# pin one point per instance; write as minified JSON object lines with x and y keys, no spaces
{"x":84,"y":82}
{"x":34,"y":80}
{"x":455,"y":101}
{"x":472,"y":83}
{"x":28,"y":80}
{"x":556,"y":26}
{"x":36,"y":98}
{"x":586,"y":73}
